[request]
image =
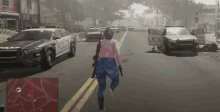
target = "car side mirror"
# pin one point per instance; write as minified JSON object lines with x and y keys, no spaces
{"x":193,"y":32}
{"x":148,"y":31}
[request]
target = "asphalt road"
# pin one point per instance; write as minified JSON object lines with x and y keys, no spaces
{"x":152,"y":81}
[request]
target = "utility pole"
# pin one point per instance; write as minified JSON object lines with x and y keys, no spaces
{"x":105,"y":17}
{"x":217,"y":27}
{"x":157,"y":20}
{"x":162,"y":18}
{"x":94,"y":21}
{"x":186,"y":14}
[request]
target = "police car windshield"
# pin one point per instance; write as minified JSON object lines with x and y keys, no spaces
{"x":32,"y":35}
{"x":94,"y":30}
{"x":177,"y":31}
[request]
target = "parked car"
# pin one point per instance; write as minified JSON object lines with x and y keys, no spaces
{"x":115,"y":29}
{"x":130,"y":28}
{"x":94,"y":34}
{"x":37,"y":46}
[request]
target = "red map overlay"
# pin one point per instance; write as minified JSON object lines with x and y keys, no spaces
{"x":32,"y":95}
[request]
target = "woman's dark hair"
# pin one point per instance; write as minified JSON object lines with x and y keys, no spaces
{"x":108,"y":33}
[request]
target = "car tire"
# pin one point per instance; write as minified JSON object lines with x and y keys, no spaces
{"x":48,"y":60}
{"x":72,"y":50}
{"x":166,"y":49}
{"x":87,"y":39}
{"x":1,"y":70}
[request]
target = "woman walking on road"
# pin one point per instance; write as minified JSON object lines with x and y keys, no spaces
{"x":107,"y":66}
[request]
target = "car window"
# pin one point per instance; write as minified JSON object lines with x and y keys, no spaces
{"x":177,"y":31}
{"x":94,"y":30}
{"x":68,"y":33}
{"x":64,"y":33}
{"x":200,"y":31}
{"x":32,"y":35}
{"x":58,"y":34}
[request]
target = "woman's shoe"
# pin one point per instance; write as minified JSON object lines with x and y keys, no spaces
{"x":102,"y":110}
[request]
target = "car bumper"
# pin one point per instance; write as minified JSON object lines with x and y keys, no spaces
{"x":94,"y":37}
{"x":26,"y":60}
{"x":130,"y":28}
{"x":175,"y":47}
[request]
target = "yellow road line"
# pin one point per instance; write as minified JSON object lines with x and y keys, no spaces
{"x":92,"y":88}
{"x":85,"y":97}
{"x":77,"y":95}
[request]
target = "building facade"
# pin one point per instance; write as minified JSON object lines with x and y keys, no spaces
{"x":30,"y":12}
{"x":9,"y":13}
{"x":210,"y":14}
{"x":22,"y":13}
{"x":46,"y":15}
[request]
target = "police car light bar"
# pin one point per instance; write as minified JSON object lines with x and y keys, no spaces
{"x":30,"y":27}
{"x":52,"y":27}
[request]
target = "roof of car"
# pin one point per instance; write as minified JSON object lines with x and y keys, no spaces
{"x":37,"y":29}
{"x":95,"y":28}
{"x":176,"y":27}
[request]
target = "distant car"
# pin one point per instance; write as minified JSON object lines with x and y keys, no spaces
{"x":34,"y":47}
{"x":122,"y":28}
{"x":130,"y":28}
{"x":115,"y":29}
{"x":94,"y":34}
{"x":103,"y":28}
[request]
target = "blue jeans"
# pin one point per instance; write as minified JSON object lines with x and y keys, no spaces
{"x":106,"y":67}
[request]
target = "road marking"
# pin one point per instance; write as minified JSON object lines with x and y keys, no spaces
{"x":122,"y":39}
{"x":82,"y":89}
{"x":85,"y":97}
{"x":77,"y":95}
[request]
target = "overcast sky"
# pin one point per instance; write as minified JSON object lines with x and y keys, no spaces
{"x":139,"y":8}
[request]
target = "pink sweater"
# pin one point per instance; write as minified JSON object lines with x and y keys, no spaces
{"x":110,"y":49}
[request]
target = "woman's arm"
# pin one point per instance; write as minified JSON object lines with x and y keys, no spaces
{"x":117,"y":52}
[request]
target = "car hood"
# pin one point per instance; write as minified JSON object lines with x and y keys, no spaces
{"x":181,"y":37}
{"x":93,"y":33}
{"x":23,"y":44}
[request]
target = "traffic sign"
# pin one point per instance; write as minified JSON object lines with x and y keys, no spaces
{"x":196,"y":19}
{"x":196,"y":13}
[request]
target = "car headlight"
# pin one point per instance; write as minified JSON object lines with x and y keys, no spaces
{"x":171,"y":40}
{"x":34,"y":50}
{"x":196,"y":40}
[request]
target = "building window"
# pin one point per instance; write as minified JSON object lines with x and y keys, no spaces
{"x":209,"y":10}
{"x":29,"y":5}
{"x":5,"y":2}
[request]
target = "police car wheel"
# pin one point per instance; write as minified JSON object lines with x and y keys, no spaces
{"x":72,"y":50}
{"x":48,"y":60}
{"x":166,"y":50}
